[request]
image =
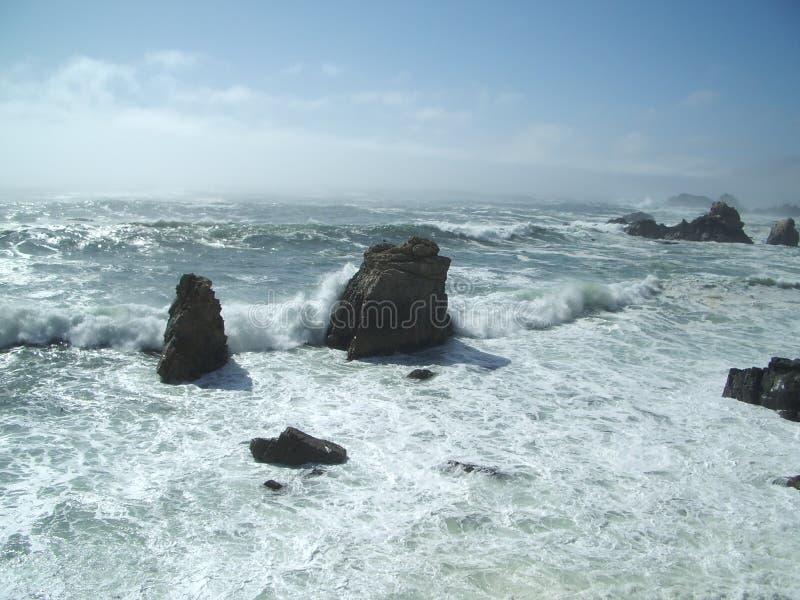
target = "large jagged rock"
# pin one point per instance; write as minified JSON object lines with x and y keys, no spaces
{"x":776,"y":387}
{"x":395,"y":302}
{"x":194,"y":341}
{"x":294,"y":447}
{"x":783,"y":233}
{"x":721,"y":224}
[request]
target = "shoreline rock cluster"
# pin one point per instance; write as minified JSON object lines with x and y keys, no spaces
{"x":721,"y":224}
{"x":776,"y":387}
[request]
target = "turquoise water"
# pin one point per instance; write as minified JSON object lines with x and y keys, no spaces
{"x":587,"y":367}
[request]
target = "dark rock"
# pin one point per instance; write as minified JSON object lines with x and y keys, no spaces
{"x":471,"y":467}
{"x":721,"y":224}
{"x":793,"y":482}
{"x":421,"y":374}
{"x":730,"y":200}
{"x":315,"y":472}
{"x":294,"y":447}
{"x":647,"y":228}
{"x":273,"y":485}
{"x":776,"y":387}
{"x":633,"y":217}
{"x":744,"y":385}
{"x":395,"y":302}
{"x":783,"y":233}
{"x":194,"y":341}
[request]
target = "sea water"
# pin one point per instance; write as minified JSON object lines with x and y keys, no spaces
{"x":587,"y":368}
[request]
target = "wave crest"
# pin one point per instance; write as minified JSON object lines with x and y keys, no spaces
{"x":499,"y":315}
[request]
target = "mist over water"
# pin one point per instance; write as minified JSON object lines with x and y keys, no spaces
{"x":587,"y":367}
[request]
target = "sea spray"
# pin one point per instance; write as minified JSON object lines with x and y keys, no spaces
{"x":124,"y":327}
{"x":502,"y":313}
{"x":273,"y":325}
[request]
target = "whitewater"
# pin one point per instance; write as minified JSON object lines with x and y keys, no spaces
{"x":587,"y":367}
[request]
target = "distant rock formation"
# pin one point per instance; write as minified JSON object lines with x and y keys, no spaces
{"x":783,"y":233}
{"x":721,"y":224}
{"x":689,"y":201}
{"x":633,"y":217}
{"x":194,"y":341}
{"x":395,"y":302}
{"x":730,"y":200}
{"x":776,"y":387}
{"x":294,"y":448}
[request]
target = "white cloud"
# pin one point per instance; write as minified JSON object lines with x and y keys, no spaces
{"x":633,"y":143}
{"x":171,"y":59}
{"x":385,"y":97}
{"x":551,"y":143}
{"x":437,"y":113}
{"x":699,"y":98}
{"x":293,"y":69}
{"x":331,"y":70}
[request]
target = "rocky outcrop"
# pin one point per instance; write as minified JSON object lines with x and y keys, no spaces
{"x":273,"y":485}
{"x":783,"y":233}
{"x":395,"y":302}
{"x":421,"y":374}
{"x":294,"y":448}
{"x":721,"y":224}
{"x":633,"y":217}
{"x":194,"y":341}
{"x":776,"y":387}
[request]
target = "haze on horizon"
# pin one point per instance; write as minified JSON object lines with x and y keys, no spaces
{"x":586,"y":99}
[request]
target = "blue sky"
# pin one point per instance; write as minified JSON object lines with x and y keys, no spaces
{"x":585,"y":99}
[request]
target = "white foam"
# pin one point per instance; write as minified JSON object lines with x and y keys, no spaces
{"x":486,"y":231}
{"x":125,"y":327}
{"x":275,"y":325}
{"x":503,"y":314}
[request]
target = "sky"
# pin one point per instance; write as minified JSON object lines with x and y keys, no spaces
{"x":591,"y":100}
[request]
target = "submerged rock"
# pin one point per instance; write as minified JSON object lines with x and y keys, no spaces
{"x":294,"y":447}
{"x":472,"y":467}
{"x":273,"y":485}
{"x":633,"y":217}
{"x":793,"y":482}
{"x":194,"y":340}
{"x":721,"y":224}
{"x":421,"y":374}
{"x":783,"y":233}
{"x":395,"y":302}
{"x":776,"y":387}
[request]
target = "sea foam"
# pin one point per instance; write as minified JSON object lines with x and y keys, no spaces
{"x":503,"y":313}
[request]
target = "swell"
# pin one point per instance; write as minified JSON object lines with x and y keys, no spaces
{"x":504,"y":314}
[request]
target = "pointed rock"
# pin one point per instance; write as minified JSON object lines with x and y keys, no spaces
{"x":194,"y":341}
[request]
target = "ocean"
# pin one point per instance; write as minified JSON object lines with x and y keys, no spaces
{"x":587,"y":367}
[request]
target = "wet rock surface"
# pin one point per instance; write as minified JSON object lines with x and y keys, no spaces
{"x":294,"y":448}
{"x":395,"y":302}
{"x":194,"y":340}
{"x":776,"y":387}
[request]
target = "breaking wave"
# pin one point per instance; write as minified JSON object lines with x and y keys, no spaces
{"x":770,"y":282}
{"x":282,"y":325}
{"x":499,"y":315}
{"x":125,"y":327}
